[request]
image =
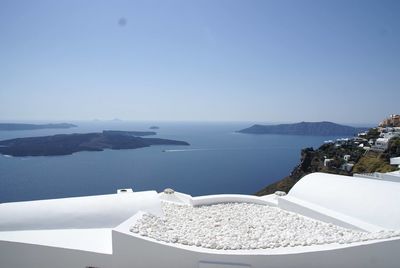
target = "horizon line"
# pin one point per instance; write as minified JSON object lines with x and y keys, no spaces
{"x":116,"y":120}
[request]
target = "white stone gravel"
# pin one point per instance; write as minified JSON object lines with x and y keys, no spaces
{"x":234,"y":226}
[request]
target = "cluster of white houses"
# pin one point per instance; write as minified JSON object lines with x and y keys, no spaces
{"x":388,"y":129}
{"x":382,"y":143}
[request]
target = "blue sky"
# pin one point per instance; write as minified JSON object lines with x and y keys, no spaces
{"x":205,"y":60}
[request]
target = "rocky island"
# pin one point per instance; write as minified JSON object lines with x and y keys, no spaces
{"x":65,"y":144}
{"x":304,"y":128}
{"x":15,"y":126}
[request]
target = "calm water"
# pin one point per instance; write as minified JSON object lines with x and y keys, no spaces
{"x":218,"y":161}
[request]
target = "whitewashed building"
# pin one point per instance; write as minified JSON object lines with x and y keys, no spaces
{"x":381,"y":144}
{"x":395,"y":161}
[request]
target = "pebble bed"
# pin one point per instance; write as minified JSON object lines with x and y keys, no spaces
{"x":235,"y":226}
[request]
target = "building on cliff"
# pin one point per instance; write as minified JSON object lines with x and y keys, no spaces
{"x":392,"y":121}
{"x":382,"y":143}
{"x":395,"y":161}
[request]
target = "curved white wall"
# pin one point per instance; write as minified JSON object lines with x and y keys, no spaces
{"x":229,"y":198}
{"x":101,"y":211}
{"x":374,"y":202}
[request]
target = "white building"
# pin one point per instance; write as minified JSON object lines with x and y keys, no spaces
{"x":381,"y":144}
{"x":347,"y":167}
{"x":94,"y":231}
{"x":327,"y":162}
{"x":391,"y":134}
{"x":395,"y":161}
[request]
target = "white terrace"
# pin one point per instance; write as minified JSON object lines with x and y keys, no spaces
{"x":95,"y":231}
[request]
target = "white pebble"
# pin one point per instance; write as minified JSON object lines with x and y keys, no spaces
{"x":234,"y":226}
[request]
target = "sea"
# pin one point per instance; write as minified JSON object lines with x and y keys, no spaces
{"x":218,"y":160}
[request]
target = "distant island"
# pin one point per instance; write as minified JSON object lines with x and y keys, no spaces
{"x":154,"y":127}
{"x":15,"y":126}
{"x":65,"y":144}
{"x":304,"y":128}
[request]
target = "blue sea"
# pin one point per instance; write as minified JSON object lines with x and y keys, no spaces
{"x":218,"y":160}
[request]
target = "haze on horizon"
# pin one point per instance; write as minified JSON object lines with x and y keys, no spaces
{"x":212,"y":60}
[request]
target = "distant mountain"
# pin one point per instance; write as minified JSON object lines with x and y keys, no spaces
{"x":304,"y":128}
{"x":154,"y":127}
{"x":65,"y":144}
{"x":15,"y":126}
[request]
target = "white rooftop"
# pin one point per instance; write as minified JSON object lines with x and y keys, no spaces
{"x":367,"y":204}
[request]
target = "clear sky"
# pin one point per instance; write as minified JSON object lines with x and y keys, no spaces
{"x":205,"y":60}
